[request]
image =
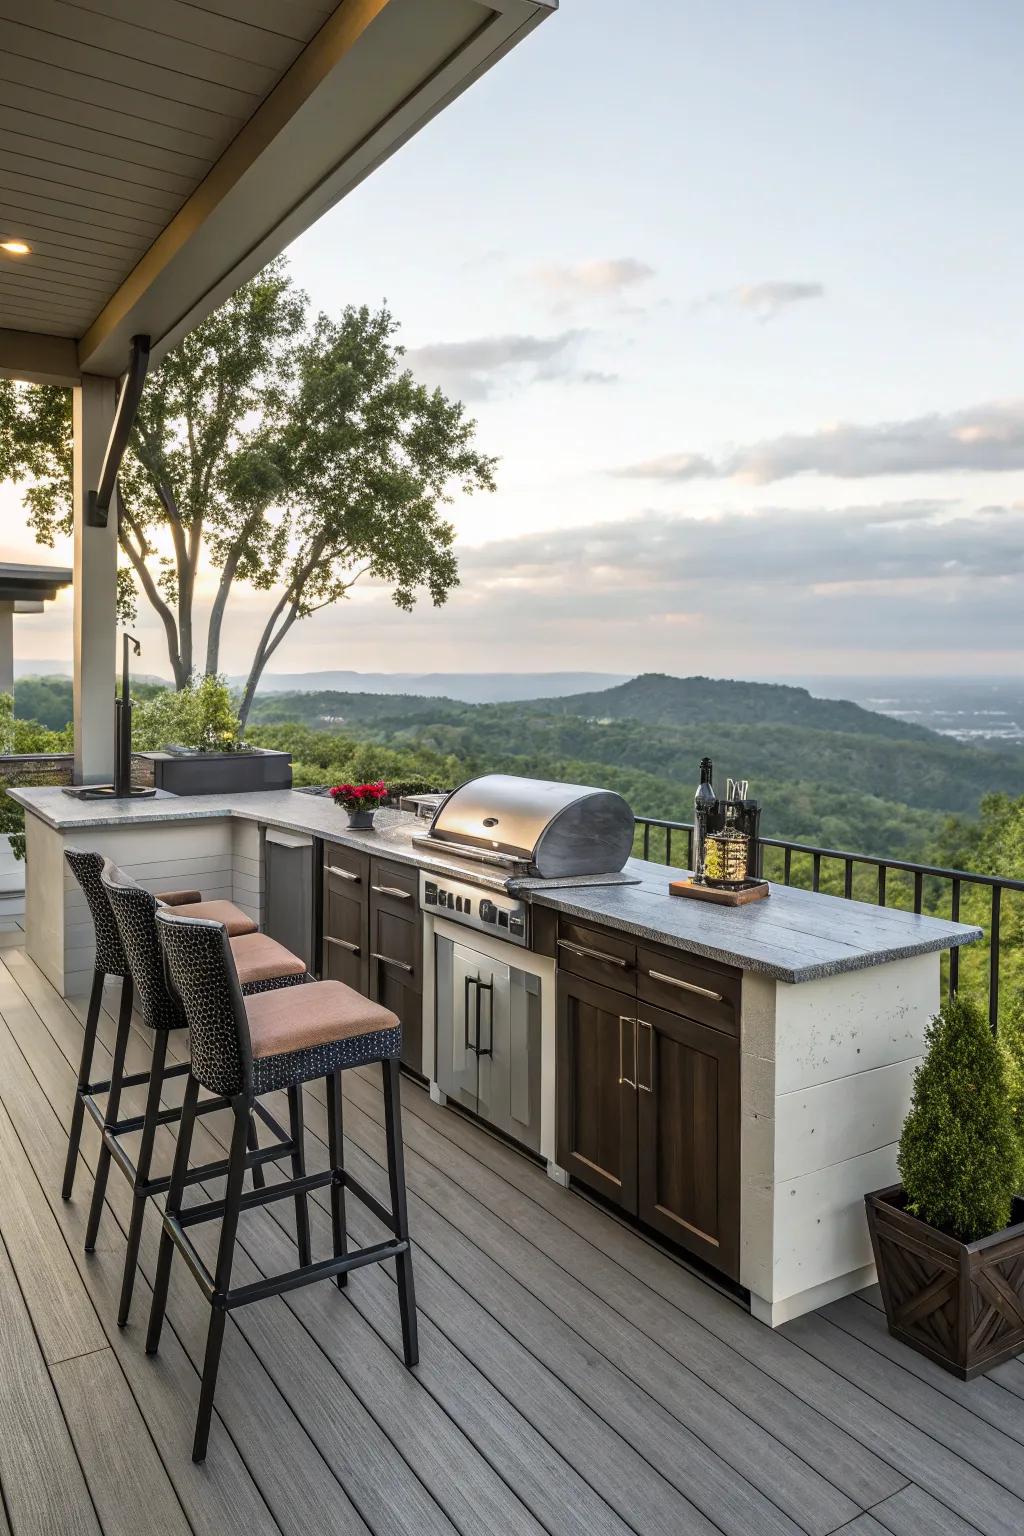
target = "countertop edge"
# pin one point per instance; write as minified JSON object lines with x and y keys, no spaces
{"x":565,"y":900}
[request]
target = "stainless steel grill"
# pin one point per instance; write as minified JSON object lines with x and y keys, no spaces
{"x":534,"y":827}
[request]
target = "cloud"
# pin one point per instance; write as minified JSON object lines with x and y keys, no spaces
{"x":985,"y":437}
{"x":476,"y":369}
{"x":764,"y":300}
{"x":906,"y":584}
{"x":584,"y":279}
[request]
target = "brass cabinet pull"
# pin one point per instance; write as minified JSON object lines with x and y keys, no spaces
{"x":592,"y":954}
{"x":392,"y":890}
{"x":630,"y":1082}
{"x":685,"y":986}
{"x":647,"y":1087}
{"x":341,"y":943}
{"x":342,"y":874}
{"x":387,"y":960}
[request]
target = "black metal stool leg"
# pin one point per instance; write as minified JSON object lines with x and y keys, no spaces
{"x":396,"y":1179}
{"x":222,"y":1278}
{"x":92,"y":1019}
{"x":259,"y":1178}
{"x":297,"y":1126}
{"x":124,"y":1024}
{"x":336,"y":1157}
{"x":142,"y":1168}
{"x":175,"y":1194}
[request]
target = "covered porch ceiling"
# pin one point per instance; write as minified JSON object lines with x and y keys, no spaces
{"x":156,"y":154}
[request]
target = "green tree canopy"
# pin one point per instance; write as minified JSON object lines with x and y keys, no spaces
{"x":297,"y":454}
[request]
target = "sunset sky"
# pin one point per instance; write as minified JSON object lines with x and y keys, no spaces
{"x":735,"y":294}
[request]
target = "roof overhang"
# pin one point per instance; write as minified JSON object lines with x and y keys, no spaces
{"x":374,"y":73}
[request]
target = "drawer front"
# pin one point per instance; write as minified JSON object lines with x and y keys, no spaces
{"x":597,"y":954}
{"x":346,"y":869}
{"x":695,"y":988}
{"x":395,"y":886}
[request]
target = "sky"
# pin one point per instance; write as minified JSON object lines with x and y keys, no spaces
{"x":735,"y":295}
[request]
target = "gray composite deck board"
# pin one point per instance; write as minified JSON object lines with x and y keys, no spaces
{"x":574,"y":1379}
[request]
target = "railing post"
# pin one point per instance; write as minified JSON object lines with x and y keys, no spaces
{"x":993,"y":962}
{"x":954,"y":954}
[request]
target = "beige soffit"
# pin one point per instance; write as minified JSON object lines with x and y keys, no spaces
{"x":156,"y":153}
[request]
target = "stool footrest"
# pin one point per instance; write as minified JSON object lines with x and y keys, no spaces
{"x":212,"y":1210}
{"x":370,"y":1201}
{"x":324,"y":1269}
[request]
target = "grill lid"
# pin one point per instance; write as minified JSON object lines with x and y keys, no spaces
{"x":557,"y":829}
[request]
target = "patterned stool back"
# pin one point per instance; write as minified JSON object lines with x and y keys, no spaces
{"x":110,"y":955}
{"x":203,"y":971}
{"x":134,"y":910}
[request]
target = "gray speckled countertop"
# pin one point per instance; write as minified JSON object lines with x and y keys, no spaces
{"x":794,"y":936}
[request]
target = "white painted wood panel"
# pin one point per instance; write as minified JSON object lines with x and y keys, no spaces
{"x":847,"y":1117}
{"x":821,"y":1231}
{"x":854,"y":1022}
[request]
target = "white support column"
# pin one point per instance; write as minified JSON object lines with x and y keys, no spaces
{"x":6,"y":648}
{"x":95,"y":589}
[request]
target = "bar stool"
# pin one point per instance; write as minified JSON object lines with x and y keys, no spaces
{"x":243,"y":1047}
{"x":110,"y":960}
{"x":263,"y":964}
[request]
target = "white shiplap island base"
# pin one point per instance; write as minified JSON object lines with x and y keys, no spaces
{"x":826,"y":1070}
{"x":835,"y":999}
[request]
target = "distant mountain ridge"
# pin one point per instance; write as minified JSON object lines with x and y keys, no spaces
{"x":467,"y":687}
{"x":654,"y":698}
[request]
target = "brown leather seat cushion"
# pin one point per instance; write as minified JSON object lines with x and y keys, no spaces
{"x":260,"y":958}
{"x":233,"y":918}
{"x":296,"y":1018}
{"x":178,"y":898}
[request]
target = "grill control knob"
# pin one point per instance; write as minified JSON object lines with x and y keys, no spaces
{"x":488,"y":911}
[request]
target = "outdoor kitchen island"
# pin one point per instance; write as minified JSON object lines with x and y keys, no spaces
{"x":733,"y":1078}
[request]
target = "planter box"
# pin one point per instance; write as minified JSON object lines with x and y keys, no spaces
{"x":215,"y":773}
{"x":961,"y":1304}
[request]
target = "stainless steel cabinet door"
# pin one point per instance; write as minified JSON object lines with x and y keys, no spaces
{"x":456,"y":1065}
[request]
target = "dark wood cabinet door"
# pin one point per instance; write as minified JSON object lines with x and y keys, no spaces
{"x":689,"y":1134}
{"x":396,"y":952}
{"x":346,"y":924}
{"x":597,"y":1099}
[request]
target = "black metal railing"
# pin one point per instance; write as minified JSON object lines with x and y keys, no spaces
{"x":959,"y":894}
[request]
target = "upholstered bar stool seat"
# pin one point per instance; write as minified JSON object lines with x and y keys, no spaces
{"x":259,"y":958}
{"x":328,"y":1027}
{"x":191,"y":904}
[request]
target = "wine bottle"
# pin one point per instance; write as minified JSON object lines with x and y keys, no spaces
{"x":705,"y":802}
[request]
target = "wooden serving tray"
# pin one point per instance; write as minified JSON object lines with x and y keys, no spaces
{"x":751,"y":890}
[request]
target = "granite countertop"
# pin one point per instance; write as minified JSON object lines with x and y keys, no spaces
{"x":794,"y":936}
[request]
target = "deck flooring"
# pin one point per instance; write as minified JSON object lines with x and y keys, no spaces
{"x":574,"y":1379}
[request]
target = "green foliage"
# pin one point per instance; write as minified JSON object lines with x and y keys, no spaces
{"x":200,"y":715}
{"x":44,"y":699}
{"x":1011,"y":1044}
{"x":959,"y":1158}
{"x":22,"y":737}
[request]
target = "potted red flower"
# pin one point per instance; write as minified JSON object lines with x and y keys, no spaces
{"x":360,"y":801}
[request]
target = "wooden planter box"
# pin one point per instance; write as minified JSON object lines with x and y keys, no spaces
{"x":961,"y":1304}
{"x":214,"y":773}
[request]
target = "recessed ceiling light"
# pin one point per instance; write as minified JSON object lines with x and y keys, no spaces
{"x":15,"y":247}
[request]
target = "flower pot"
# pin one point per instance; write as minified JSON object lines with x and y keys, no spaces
{"x":961,"y":1304}
{"x":360,"y":821}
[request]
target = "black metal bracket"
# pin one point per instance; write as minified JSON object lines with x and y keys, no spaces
{"x":97,"y":505}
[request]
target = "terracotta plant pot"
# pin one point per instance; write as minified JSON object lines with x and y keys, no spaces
{"x":360,"y":821}
{"x":961,"y":1304}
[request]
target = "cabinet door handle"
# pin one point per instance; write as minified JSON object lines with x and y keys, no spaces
{"x":685,"y":986}
{"x":341,"y":943}
{"x":342,"y":874}
{"x":630,"y":1082}
{"x":647,"y":1087}
{"x":392,"y":890}
{"x":387,"y":960}
{"x":592,"y":954}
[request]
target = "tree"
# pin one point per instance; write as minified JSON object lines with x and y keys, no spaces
{"x":293,"y":454}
